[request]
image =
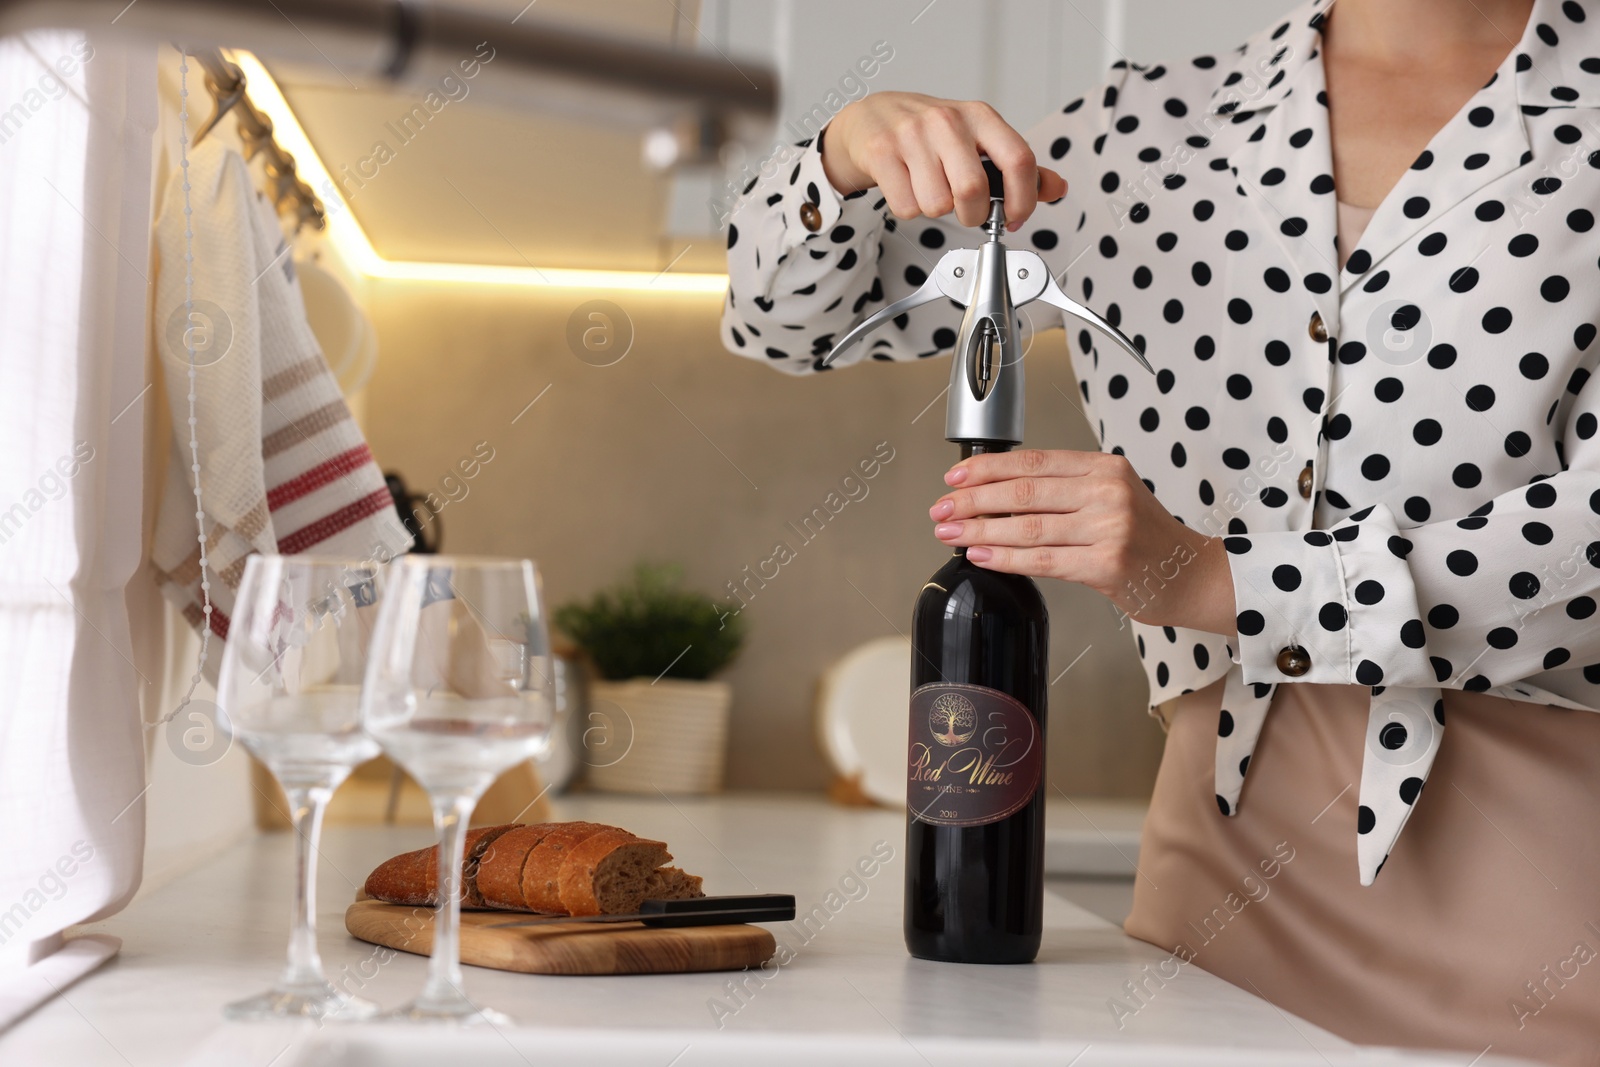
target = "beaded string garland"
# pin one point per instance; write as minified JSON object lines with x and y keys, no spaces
{"x":189,"y":352}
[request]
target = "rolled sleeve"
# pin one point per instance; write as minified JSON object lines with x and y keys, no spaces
{"x":813,"y":208}
{"x":803,"y":264}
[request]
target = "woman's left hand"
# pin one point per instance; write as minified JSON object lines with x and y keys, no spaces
{"x":1086,"y":517}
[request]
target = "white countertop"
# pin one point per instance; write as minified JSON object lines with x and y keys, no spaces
{"x":850,"y":994}
{"x":1091,"y":837}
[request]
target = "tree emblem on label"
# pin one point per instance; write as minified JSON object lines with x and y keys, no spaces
{"x":952,"y":719}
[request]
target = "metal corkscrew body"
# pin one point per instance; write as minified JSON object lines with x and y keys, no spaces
{"x":986,"y":396}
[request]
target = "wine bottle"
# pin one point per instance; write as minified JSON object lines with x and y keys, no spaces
{"x":975,"y":776}
{"x":976,"y":783}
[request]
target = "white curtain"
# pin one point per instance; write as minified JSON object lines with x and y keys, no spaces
{"x":76,"y":125}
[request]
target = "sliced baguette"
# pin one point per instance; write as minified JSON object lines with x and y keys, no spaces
{"x":578,"y":868}
{"x":607,"y":872}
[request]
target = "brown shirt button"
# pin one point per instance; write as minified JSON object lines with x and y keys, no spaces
{"x":1318,"y":329}
{"x":1305,"y":481}
{"x":1294,"y":660}
{"x":810,"y":216}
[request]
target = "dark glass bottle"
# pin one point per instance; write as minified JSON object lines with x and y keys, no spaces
{"x":975,"y":796}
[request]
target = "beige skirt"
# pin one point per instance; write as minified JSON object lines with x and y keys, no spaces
{"x":1482,"y":930}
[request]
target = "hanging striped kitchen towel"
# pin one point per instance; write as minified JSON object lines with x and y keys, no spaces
{"x":283,"y":466}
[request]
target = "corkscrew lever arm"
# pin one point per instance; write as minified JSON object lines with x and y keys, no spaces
{"x":926,"y":294}
{"x":1053,"y":296}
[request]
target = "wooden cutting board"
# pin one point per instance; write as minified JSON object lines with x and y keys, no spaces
{"x":566,"y":948}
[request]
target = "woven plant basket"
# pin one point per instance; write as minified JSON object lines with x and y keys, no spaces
{"x":670,"y":736}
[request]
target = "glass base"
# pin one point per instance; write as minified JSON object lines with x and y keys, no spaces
{"x":325,"y":1002}
{"x":455,"y":1012}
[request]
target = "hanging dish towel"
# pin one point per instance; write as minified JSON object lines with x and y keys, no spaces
{"x":283,"y":467}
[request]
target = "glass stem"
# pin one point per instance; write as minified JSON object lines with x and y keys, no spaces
{"x":450,"y":815}
{"x":306,"y":807}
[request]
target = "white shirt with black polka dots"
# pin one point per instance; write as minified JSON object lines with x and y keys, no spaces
{"x":1400,"y":454}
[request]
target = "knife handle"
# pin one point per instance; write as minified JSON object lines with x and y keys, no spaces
{"x":756,"y":908}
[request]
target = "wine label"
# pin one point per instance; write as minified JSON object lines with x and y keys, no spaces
{"x":976,"y":755}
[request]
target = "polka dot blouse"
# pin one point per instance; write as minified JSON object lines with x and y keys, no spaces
{"x":1400,"y":454}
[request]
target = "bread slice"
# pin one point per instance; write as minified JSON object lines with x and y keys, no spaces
{"x":671,"y":883}
{"x":479,"y":841}
{"x":541,"y":875}
{"x":413,"y":877}
{"x":607,"y":872}
{"x":499,"y":883}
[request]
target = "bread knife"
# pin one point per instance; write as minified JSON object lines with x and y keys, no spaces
{"x":701,"y":911}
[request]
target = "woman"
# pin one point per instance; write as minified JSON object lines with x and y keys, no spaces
{"x":1360,"y":499}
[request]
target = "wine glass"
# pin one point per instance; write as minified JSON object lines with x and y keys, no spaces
{"x":290,"y":688}
{"x":458,"y":689}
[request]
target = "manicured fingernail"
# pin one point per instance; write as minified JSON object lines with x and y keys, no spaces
{"x":956,"y":476}
{"x":980,"y":555}
{"x":946,"y":530}
{"x":942,"y":510}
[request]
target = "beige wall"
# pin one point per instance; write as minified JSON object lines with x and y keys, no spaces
{"x":614,"y":463}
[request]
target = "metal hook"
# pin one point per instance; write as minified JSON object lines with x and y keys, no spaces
{"x":227,"y":95}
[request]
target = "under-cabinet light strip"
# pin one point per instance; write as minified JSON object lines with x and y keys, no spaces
{"x":346,"y":234}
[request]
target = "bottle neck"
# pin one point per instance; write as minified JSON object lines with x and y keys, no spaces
{"x":978,"y":448}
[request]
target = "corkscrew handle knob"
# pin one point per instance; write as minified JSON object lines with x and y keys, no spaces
{"x":997,"y":180}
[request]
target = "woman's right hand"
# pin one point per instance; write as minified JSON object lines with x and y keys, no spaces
{"x":923,"y":155}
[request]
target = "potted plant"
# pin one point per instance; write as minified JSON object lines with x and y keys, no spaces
{"x":656,"y":721}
